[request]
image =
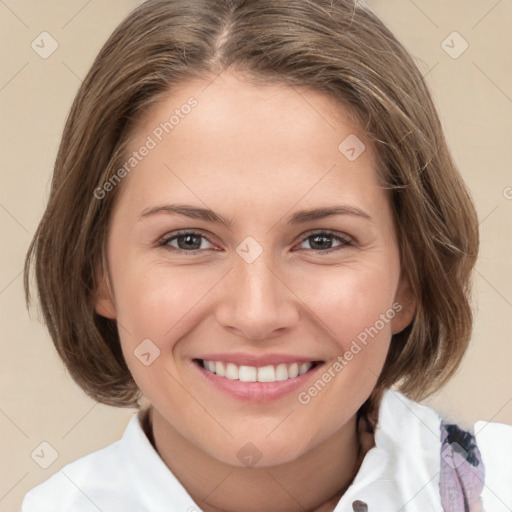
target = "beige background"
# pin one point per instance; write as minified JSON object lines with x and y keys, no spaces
{"x":38,"y":400}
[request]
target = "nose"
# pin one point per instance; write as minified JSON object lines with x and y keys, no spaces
{"x":257,"y":303}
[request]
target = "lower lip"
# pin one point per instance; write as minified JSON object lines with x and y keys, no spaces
{"x":257,"y":391}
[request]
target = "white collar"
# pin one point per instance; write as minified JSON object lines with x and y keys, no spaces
{"x":400,"y":472}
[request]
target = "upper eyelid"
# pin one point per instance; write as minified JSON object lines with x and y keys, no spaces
{"x":182,"y":232}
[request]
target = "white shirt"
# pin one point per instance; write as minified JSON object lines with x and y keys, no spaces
{"x":400,"y":473}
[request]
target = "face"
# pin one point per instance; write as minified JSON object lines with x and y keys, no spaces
{"x":211,"y":257}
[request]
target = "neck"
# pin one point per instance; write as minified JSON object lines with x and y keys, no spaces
{"x":313,"y":482}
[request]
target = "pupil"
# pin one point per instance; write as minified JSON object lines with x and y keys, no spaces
{"x":187,"y":244}
{"x":321,"y":237}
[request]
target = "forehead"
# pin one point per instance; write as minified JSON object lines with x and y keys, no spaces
{"x":231,"y":105}
{"x":252,"y":142}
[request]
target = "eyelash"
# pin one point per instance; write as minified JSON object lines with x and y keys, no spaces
{"x":163,"y":242}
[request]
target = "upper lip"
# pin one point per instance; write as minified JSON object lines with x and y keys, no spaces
{"x":241,"y":359}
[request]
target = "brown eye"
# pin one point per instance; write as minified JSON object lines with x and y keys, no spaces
{"x":186,"y":241}
{"x":322,"y":241}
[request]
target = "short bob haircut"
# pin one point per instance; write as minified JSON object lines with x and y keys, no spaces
{"x":339,"y":48}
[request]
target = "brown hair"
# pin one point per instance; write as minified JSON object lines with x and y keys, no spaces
{"x":339,"y":48}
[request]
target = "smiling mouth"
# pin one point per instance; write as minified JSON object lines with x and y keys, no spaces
{"x":269,"y":373}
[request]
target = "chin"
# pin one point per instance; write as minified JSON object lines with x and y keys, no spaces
{"x":260,"y":451}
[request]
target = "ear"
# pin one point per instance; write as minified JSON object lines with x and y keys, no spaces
{"x":104,"y":305}
{"x":404,"y":305}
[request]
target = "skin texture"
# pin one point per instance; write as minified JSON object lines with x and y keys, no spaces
{"x":256,"y":155}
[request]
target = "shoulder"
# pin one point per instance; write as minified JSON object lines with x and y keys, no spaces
{"x":495,"y":443}
{"x":495,"y":439}
{"x":128,"y":475}
{"x":469,"y":463}
{"x":87,"y":484}
{"x":475,"y":464}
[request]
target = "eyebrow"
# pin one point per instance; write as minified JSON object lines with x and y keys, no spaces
{"x":299,"y":217}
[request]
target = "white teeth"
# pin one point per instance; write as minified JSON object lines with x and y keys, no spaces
{"x":281,"y":372}
{"x":268,"y":373}
{"x":232,"y":371}
{"x":304,"y":367}
{"x":220,"y":369}
{"x":293,"y":370}
{"x":247,"y":373}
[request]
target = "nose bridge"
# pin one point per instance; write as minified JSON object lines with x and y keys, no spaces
{"x":257,"y":302}
{"x":257,"y":282}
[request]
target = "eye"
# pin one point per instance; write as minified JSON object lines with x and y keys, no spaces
{"x":187,"y":241}
{"x":321,"y":241}
{"x":190,"y":241}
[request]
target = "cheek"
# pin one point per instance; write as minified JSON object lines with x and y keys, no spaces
{"x":147,"y":305}
{"x":348,"y":300}
{"x":355,"y":309}
{"x":153,"y":300}
{"x":155,"y":310}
